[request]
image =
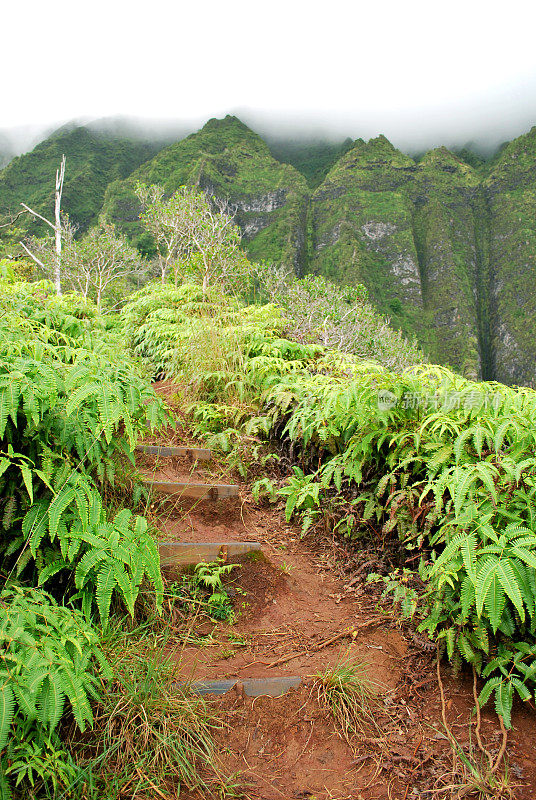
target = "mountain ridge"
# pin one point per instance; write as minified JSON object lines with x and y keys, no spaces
{"x":446,"y":248}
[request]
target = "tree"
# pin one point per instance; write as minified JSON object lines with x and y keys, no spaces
{"x":99,"y":262}
{"x":192,"y":232}
{"x":95,"y":265}
{"x":56,"y":226}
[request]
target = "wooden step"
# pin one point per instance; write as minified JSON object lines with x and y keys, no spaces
{"x":185,"y":553}
{"x":194,"y":453}
{"x":253,"y":687}
{"x":209,"y":491}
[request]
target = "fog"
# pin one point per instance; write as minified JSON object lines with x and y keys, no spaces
{"x":421,"y":73}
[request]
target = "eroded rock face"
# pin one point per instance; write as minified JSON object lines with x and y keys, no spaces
{"x":265,"y":203}
{"x":232,"y":162}
{"x":407,"y":231}
{"x":446,"y":250}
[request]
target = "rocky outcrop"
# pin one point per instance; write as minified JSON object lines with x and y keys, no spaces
{"x":448,"y":253}
{"x":230,"y":161}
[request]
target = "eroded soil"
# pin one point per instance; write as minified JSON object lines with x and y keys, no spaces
{"x":300,"y":608}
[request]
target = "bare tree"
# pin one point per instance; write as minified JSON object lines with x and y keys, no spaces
{"x":56,"y":226}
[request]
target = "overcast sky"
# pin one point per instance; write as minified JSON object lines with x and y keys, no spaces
{"x":422,"y":72}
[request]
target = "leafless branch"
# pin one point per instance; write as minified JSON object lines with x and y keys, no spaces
{"x":33,"y":257}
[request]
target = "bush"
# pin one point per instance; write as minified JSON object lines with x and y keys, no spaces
{"x":71,"y":409}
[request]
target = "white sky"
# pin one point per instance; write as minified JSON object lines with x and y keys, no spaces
{"x":413,"y":70}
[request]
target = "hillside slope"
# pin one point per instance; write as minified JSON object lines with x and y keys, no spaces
{"x":93,"y":161}
{"x":406,"y":231}
{"x":6,"y":150}
{"x":449,"y":251}
{"x":226,"y":158}
{"x":445,"y":243}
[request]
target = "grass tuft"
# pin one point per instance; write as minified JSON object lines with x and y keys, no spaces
{"x":349,"y":694}
{"x":150,"y":735}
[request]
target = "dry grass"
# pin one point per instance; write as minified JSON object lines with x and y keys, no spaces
{"x":151,"y":735}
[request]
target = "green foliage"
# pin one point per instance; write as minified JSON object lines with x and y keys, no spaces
{"x":192,"y":237}
{"x":149,"y":730}
{"x":93,"y":161}
{"x":49,"y":654}
{"x":313,"y":159}
{"x":444,"y":243}
{"x":71,"y":410}
{"x":233,"y":163}
{"x":444,"y":463}
{"x":208,"y":577}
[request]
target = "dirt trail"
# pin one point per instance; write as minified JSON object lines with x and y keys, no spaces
{"x":300,"y":608}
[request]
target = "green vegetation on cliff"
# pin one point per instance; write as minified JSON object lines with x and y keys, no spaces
{"x":313,"y":159}
{"x":93,"y":161}
{"x":230,"y":161}
{"x":445,"y":244}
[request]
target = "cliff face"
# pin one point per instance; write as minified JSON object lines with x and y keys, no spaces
{"x":447,"y":251}
{"x":510,"y":194}
{"x":229,"y":160}
{"x":445,"y":244}
{"x":406,"y":231}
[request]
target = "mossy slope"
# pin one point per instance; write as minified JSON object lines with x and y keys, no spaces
{"x":446,"y":244}
{"x":228,"y":159}
{"x":93,"y":160}
{"x":407,"y":230}
{"x":510,"y":193}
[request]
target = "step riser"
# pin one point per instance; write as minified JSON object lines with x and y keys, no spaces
{"x":194,"y":453}
{"x":187,"y":553}
{"x":200,"y":491}
{"x":253,"y":687}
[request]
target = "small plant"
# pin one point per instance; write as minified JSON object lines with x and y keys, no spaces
{"x":36,"y":758}
{"x":206,"y":584}
{"x":472,"y":776}
{"x":286,"y":568}
{"x":263,"y":490}
{"x":348,"y":693}
{"x":219,"y":607}
{"x":398,"y":588}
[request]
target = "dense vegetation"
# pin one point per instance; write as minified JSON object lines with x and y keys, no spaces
{"x":69,"y":417}
{"x":371,"y":443}
{"x":230,"y":161}
{"x":444,"y":464}
{"x":94,"y":159}
{"x":313,"y":159}
{"x":444,"y":242}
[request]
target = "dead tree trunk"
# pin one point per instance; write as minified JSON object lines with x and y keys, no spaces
{"x":60,"y":175}
{"x":56,"y":225}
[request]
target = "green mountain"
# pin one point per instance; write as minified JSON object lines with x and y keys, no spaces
{"x":93,"y":160}
{"x":446,"y":248}
{"x":312,"y":158}
{"x":445,"y":243}
{"x":226,"y":158}
{"x":406,"y":231}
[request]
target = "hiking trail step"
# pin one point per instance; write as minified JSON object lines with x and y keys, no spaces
{"x":201,"y":491}
{"x":253,"y":687}
{"x":194,"y":453}
{"x":177,"y":553}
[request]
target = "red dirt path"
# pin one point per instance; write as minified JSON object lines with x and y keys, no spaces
{"x":301,"y":594}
